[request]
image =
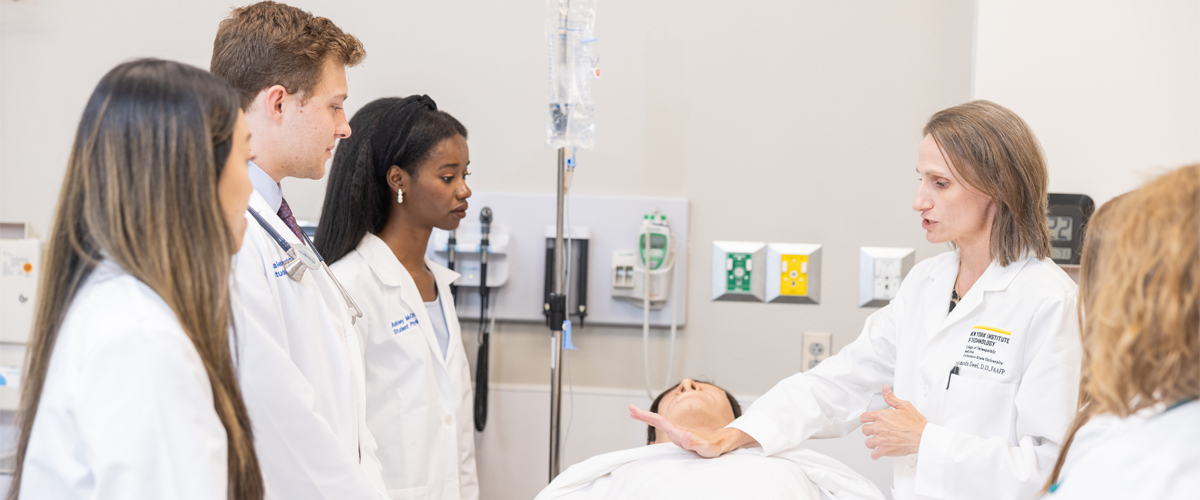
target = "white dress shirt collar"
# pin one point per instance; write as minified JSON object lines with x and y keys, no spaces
{"x":266,"y":186}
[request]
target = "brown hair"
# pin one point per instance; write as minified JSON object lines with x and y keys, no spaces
{"x":270,"y":43}
{"x":1141,"y":330}
{"x":995,"y":152}
{"x":141,"y":191}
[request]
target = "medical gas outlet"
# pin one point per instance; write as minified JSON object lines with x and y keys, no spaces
{"x":738,"y":272}
{"x":880,"y":271}
{"x":793,"y":273}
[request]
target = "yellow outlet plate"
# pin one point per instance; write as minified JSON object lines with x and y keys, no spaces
{"x":793,"y":275}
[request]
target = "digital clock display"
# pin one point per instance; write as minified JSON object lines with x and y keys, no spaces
{"x":1060,"y":253}
{"x":1060,"y":228}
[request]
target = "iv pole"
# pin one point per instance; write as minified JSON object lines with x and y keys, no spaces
{"x":557,"y":305}
{"x":558,"y":310}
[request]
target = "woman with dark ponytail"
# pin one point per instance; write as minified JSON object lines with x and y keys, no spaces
{"x":400,"y":175}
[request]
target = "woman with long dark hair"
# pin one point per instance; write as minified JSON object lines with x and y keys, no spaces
{"x":129,"y":388}
{"x":400,"y":175}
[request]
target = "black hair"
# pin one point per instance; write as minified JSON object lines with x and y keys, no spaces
{"x":388,"y":131}
{"x":733,"y":403}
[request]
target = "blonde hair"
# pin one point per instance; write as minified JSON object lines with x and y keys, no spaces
{"x":141,"y":190}
{"x":995,"y":152}
{"x":1140,"y":302}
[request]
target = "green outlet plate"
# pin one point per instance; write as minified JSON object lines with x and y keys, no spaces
{"x":737,"y":277}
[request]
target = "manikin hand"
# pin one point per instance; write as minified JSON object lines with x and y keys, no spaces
{"x":893,"y":432}
{"x":705,"y":444}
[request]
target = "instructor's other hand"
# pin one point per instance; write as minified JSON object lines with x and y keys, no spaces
{"x":705,"y":444}
{"x":894,"y":432}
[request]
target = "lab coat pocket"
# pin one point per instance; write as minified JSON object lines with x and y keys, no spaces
{"x":978,"y":407}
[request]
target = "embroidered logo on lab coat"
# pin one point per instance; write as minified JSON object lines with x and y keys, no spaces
{"x":987,"y":349}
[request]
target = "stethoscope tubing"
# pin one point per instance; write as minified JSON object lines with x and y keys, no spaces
{"x":287,"y":248}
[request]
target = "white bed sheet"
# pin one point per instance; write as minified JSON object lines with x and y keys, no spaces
{"x":665,"y":471}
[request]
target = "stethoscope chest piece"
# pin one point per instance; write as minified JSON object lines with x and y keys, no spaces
{"x":302,"y":258}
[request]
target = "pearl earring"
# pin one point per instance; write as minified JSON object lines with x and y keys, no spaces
{"x":399,"y":196}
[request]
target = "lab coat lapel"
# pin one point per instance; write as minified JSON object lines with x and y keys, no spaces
{"x":444,"y":277}
{"x":392,"y":273}
{"x":995,"y":278}
{"x":936,"y":298}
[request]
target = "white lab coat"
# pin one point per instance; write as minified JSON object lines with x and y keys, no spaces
{"x":419,"y":405}
{"x":300,"y":367}
{"x":994,"y":428}
{"x":1152,"y":454}
{"x":127,"y":408}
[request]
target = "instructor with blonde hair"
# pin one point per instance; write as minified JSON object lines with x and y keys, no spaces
{"x":969,"y":377}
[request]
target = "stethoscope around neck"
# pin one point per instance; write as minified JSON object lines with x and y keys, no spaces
{"x":303,"y":258}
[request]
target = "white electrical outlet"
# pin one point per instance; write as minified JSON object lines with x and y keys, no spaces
{"x":887,"y":278}
{"x":880,"y":271}
{"x":817,"y":347}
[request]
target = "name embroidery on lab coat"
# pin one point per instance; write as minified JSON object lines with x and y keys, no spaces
{"x":986,"y":348}
{"x":399,"y":326}
{"x":279,"y":269}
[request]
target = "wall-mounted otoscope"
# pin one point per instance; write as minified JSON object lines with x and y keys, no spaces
{"x":481,"y":363}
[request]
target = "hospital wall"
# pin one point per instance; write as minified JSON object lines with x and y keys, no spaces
{"x":778,"y":121}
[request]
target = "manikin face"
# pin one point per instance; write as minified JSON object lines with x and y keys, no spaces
{"x":437,"y":195}
{"x":950,"y":210}
{"x":233,"y":185}
{"x":310,"y":131}
{"x":697,"y":406}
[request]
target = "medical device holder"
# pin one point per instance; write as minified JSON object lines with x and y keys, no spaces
{"x":574,"y":303}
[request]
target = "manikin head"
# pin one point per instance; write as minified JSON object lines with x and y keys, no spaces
{"x":289,"y":69}
{"x":693,"y":405}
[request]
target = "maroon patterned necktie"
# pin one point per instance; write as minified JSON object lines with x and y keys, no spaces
{"x":285,"y":213}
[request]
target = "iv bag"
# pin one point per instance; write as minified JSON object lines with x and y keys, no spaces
{"x":572,"y":64}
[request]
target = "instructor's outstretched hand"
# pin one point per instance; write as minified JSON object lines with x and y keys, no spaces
{"x":705,"y":444}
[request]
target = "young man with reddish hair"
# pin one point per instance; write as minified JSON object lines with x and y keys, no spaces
{"x":299,"y":360}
